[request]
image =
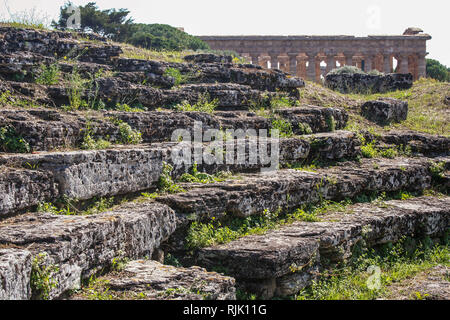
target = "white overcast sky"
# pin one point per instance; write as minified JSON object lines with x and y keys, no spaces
{"x":278,"y":17}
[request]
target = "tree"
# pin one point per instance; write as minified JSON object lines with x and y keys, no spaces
{"x":163,"y":37}
{"x":116,"y":25}
{"x":437,"y":71}
{"x":110,"y":23}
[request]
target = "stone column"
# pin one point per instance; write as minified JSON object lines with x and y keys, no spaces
{"x":348,"y":59}
{"x":263,"y":59}
{"x":357,"y":62}
{"x":387,"y":63}
{"x":273,"y":61}
{"x":331,"y":63}
{"x":421,"y":66}
{"x":301,"y":66}
{"x":368,"y":63}
{"x":318,"y":68}
{"x":293,"y":63}
{"x":403,"y":64}
{"x":255,"y":59}
{"x":311,"y":72}
{"x":283,"y":62}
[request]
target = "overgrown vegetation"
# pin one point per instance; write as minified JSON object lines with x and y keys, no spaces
{"x":69,"y":207}
{"x":203,"y":177}
{"x":48,"y":75}
{"x":7,"y":98}
{"x":284,"y":128}
{"x":437,"y":70}
{"x":89,"y":143}
{"x":127,"y":134}
{"x":397,"y":262}
{"x":217,"y":232}
{"x":204,"y":104}
{"x":10,"y":141}
{"x":42,"y":279}
{"x":347,"y":70}
{"x":176,"y":75}
{"x":166,"y":183}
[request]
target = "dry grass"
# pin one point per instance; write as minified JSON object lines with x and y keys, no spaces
{"x":133,"y":52}
{"x":427,"y":110}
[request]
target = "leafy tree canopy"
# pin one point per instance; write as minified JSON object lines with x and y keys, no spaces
{"x":437,"y":71}
{"x":116,"y":25}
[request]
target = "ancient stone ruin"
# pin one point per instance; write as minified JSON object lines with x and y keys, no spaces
{"x":89,"y":185}
{"x":302,"y":55}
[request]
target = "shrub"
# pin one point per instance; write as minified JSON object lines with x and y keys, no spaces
{"x":369,"y":151}
{"x":202,"y":177}
{"x":127,"y":134}
{"x":331,"y":122}
{"x":375,"y":72}
{"x":11,"y":142}
{"x":90,"y":143}
{"x":347,"y":70}
{"x":282,"y":102}
{"x":203,"y":105}
{"x":166,"y":183}
{"x":48,"y":75}
{"x":75,"y":89}
{"x":176,"y":74}
{"x":41,"y":280}
{"x":304,"y":128}
{"x":284,"y":127}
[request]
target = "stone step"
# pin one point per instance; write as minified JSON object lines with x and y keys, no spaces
{"x":284,"y":261}
{"x":15,"y":270}
{"x":57,"y":43}
{"x":28,"y":179}
{"x":289,"y":189}
{"x":73,"y":248}
{"x":151,"y":280}
{"x":420,"y":143}
{"x":47,"y":129}
{"x":216,"y":69}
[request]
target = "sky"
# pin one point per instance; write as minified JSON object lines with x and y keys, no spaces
{"x":276,"y":17}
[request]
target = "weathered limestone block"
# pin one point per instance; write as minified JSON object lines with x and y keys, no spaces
{"x":333,"y":145}
{"x":208,"y":68}
{"x":87,"y":174}
{"x":229,"y":95}
{"x":22,"y":188}
{"x":15,"y":273}
{"x":208,"y":58}
{"x":51,"y":43}
{"x":122,"y":170}
{"x":365,"y":83}
{"x":385,"y":110}
{"x":150,"y":79}
{"x":138,"y":65}
{"x":81,"y":245}
{"x":319,"y":119}
{"x":283,"y":261}
{"x":426,"y":144}
{"x":158,"y":126}
{"x":47,"y":129}
{"x":161,"y":282}
{"x":289,"y":189}
{"x":19,"y":66}
{"x":115,"y":90}
{"x":253,"y":76}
